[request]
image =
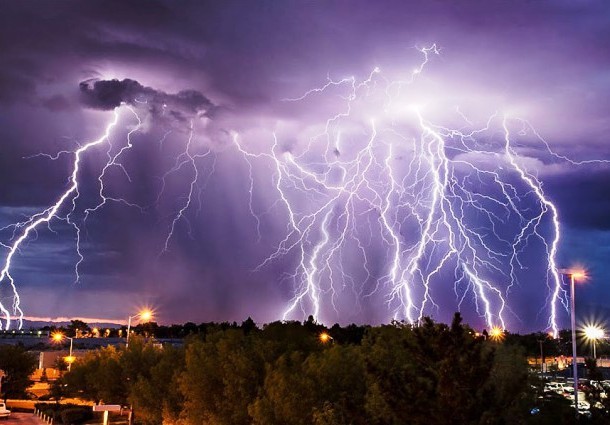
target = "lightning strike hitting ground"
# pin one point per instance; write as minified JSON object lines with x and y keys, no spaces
{"x":65,"y":208}
{"x":29,"y":226}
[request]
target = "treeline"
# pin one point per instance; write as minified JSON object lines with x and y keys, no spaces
{"x":532,"y":343}
{"x":285,"y":374}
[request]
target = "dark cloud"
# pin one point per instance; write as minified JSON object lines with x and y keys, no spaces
{"x":582,"y":197}
{"x":108,"y":94}
{"x":544,"y":56}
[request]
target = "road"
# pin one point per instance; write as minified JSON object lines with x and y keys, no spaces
{"x":22,"y":419}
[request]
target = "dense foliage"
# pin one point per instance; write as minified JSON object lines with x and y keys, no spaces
{"x":283,"y":374}
{"x":17,"y":365}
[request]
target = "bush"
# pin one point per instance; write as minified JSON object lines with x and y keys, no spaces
{"x":75,"y":415}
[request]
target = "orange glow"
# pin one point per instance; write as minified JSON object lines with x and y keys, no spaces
{"x":579,"y":274}
{"x":145,"y":315}
{"x":496,"y":333}
{"x":324,"y":337}
{"x":576,"y":273}
{"x":57,"y":336}
{"x":69,"y":359}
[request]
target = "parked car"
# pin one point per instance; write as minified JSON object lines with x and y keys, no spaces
{"x":556,"y":387}
{"x":4,"y":412}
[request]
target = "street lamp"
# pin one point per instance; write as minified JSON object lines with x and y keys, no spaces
{"x":593,"y":333}
{"x":59,"y":337}
{"x":574,"y":275}
{"x":144,"y":315}
{"x":325,"y":337}
{"x":496,"y":334}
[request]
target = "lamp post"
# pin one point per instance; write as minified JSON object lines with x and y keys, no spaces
{"x":144,"y":315}
{"x":60,"y":337}
{"x":593,"y":333}
{"x":541,"y":341}
{"x":573,"y":275}
{"x":496,"y":334}
{"x":324,"y":337}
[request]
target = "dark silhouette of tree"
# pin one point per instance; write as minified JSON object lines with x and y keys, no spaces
{"x":17,"y":365}
{"x":248,"y":325}
{"x":230,"y":374}
{"x":77,"y":328}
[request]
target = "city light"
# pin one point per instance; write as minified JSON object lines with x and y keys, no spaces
{"x":144,"y":315}
{"x":58,"y":337}
{"x":325,"y":337}
{"x":496,"y":334}
{"x":592,"y":333}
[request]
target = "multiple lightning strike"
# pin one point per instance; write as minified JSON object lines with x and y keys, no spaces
{"x":384,"y":202}
{"x":379,"y":202}
{"x":66,"y":207}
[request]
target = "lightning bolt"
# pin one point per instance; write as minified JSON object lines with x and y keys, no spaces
{"x":433,"y":199}
{"x":66,"y":208}
{"x":378,"y":200}
{"x":30,"y":226}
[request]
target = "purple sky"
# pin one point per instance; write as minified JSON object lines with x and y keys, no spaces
{"x":226,"y":67}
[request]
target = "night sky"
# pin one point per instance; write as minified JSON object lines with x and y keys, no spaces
{"x":202,"y":72}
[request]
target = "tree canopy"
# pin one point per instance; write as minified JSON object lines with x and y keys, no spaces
{"x":284,"y":374}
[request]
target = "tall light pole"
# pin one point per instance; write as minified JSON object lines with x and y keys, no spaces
{"x":60,"y":337}
{"x":573,"y":275}
{"x":540,"y":341}
{"x":144,"y":315}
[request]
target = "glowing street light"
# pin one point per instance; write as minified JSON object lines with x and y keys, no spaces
{"x":593,"y":333}
{"x":325,"y":337}
{"x":144,"y":315}
{"x":574,"y":275}
{"x":59,"y":337}
{"x":496,"y":334}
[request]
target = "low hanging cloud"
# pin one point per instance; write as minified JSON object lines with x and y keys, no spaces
{"x":108,"y":94}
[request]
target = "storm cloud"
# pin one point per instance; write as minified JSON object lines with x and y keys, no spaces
{"x":66,"y":63}
{"x":108,"y":94}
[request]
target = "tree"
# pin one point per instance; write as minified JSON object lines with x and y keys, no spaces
{"x":98,"y":376}
{"x":78,"y":327}
{"x":18,"y":365}
{"x":162,"y":378}
{"x":60,"y":364}
{"x":221,"y":378}
{"x":248,"y":325}
{"x":439,"y":374}
{"x":508,"y":386}
{"x":323,"y":387}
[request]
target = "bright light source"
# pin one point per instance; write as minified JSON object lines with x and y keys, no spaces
{"x":325,"y":337}
{"x":146,"y":315}
{"x":496,"y":333}
{"x":579,"y":274}
{"x":576,"y":273}
{"x":58,"y":336}
{"x":593,"y":332}
{"x":69,"y":359}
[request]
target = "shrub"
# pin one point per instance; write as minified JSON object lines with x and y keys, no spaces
{"x":75,"y":415}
